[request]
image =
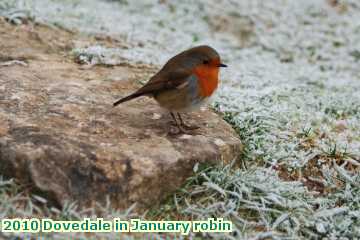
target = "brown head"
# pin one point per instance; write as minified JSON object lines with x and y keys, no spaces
{"x":194,"y":57}
{"x":204,"y":62}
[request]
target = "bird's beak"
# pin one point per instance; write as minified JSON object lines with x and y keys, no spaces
{"x":222,"y":65}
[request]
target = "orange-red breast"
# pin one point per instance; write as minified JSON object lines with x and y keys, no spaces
{"x":184,"y":83}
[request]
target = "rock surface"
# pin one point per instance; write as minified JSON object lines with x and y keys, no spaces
{"x":59,"y":132}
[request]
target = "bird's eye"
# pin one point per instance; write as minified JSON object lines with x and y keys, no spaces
{"x":206,"y":61}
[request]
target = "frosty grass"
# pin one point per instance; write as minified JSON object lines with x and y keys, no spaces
{"x":291,"y":92}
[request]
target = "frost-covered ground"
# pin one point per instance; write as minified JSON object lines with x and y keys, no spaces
{"x":291,"y":91}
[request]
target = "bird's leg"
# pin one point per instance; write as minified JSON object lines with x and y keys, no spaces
{"x":185,"y":126}
{"x":174,"y":121}
{"x":180,"y":128}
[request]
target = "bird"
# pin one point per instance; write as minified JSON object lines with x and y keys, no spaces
{"x":183,"y":84}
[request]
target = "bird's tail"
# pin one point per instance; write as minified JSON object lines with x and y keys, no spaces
{"x":125,"y":99}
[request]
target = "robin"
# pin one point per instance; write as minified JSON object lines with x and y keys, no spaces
{"x":184,"y":83}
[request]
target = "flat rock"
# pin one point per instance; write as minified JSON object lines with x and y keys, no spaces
{"x":59,"y":132}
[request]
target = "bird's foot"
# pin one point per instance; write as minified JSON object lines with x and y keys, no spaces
{"x":172,"y":123}
{"x":189,"y":127}
{"x":180,"y":127}
{"x":177,"y":130}
{"x":184,"y":126}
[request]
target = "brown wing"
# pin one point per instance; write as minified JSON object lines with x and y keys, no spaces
{"x":162,"y":81}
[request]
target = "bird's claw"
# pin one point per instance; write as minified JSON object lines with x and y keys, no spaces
{"x":184,"y":126}
{"x":176,"y":130}
{"x":181,"y":126}
{"x":190,"y":127}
